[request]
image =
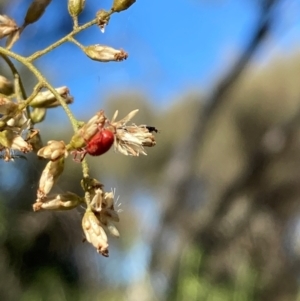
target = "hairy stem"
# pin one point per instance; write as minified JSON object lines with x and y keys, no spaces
{"x":43,"y":81}
{"x":75,"y":31}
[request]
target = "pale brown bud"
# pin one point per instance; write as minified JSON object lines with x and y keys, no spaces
{"x":103,"y":206}
{"x":19,"y":120}
{"x":64,"y":201}
{"x":75,"y":7}
{"x":49,"y":176}
{"x":7,"y":106}
{"x":53,"y":150}
{"x":18,"y":143}
{"x":88,"y":131}
{"x":38,"y":115}
{"x":7,"y":155}
{"x":105,"y":54}
{"x":35,"y":11}
{"x":6,"y":86}
{"x":103,"y":17}
{"x":7,"y":26}
{"x":12,"y":140}
{"x":46,"y":99}
{"x":120,"y":5}
{"x":94,"y":233}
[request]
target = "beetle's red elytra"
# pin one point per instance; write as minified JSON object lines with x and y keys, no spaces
{"x":100,"y":143}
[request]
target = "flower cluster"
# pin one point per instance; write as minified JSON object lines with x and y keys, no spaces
{"x":100,"y":215}
{"x":17,"y":132}
{"x":19,"y":115}
{"x":94,"y":138}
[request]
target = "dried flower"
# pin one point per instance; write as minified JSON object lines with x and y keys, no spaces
{"x":105,"y":54}
{"x":7,"y":154}
{"x":86,"y":132}
{"x":103,"y":17}
{"x":53,"y":150}
{"x":64,"y":201}
{"x":7,"y":106}
{"x":131,"y":140}
{"x":49,"y":176}
{"x":18,"y":143}
{"x":7,"y":26}
{"x":94,"y":233}
{"x":92,"y":138}
{"x":12,"y":140}
{"x":103,"y":206}
{"x":46,"y":99}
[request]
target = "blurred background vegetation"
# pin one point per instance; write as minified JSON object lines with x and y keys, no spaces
{"x":212,"y":213}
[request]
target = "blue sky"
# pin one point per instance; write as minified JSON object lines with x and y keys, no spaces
{"x":173,"y":46}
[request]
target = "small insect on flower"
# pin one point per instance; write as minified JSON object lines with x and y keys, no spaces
{"x":99,"y":144}
{"x":151,"y":129}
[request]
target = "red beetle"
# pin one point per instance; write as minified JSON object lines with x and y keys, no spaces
{"x":99,"y":144}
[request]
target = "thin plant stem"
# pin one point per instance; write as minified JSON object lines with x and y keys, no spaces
{"x":15,"y":73}
{"x":75,"y":31}
{"x":43,"y":81}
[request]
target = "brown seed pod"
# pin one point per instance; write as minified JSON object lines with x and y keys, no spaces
{"x":35,"y":11}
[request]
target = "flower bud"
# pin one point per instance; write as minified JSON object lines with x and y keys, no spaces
{"x":38,"y":115}
{"x":105,"y":54}
{"x":65,"y":201}
{"x":7,"y":26}
{"x":120,"y":5}
{"x":14,"y":141}
{"x":7,"y":106}
{"x":35,"y":11}
{"x":49,"y":176}
{"x":88,"y":130}
{"x":18,"y":143}
{"x":94,"y":233}
{"x":6,"y":86}
{"x":75,"y":7}
{"x":53,"y":150}
{"x":18,"y":120}
{"x":4,"y":138}
{"x":46,"y":99}
{"x":103,"y":207}
{"x":103,"y":17}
